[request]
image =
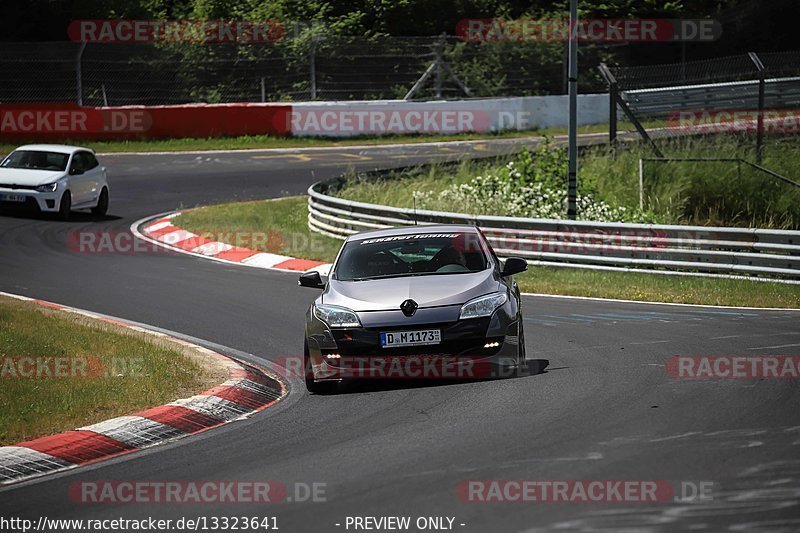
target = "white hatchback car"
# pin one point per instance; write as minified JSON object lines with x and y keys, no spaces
{"x":55,"y":178}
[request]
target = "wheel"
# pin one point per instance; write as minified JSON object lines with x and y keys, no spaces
{"x":313,"y":386}
{"x":65,"y":207}
{"x":102,"y":204}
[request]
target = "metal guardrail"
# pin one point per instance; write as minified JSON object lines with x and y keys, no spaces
{"x":780,"y":93}
{"x":773,"y":254}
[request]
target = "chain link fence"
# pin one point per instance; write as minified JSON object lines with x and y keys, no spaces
{"x":720,"y":136}
{"x":297,"y":69}
{"x":748,"y":94}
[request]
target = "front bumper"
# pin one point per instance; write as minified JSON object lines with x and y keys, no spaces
{"x":44,"y":201}
{"x":477,"y":348}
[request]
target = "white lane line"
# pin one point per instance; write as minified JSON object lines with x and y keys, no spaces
{"x":776,"y":346}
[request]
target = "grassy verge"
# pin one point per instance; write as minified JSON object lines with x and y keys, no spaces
{"x":96,"y":371}
{"x":284,"y":223}
{"x":251,"y":142}
{"x":714,"y":193}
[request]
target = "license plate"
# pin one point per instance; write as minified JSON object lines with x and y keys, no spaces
{"x":12,"y":197}
{"x":425,"y":337}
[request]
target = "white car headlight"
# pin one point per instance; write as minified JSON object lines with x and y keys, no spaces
{"x":50,"y":187}
{"x":483,"y":305}
{"x":337,"y":317}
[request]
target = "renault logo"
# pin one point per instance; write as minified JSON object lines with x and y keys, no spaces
{"x":409,"y":307}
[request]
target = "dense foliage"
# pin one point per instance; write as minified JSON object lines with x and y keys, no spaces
{"x":748,"y":24}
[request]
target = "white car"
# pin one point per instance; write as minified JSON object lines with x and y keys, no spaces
{"x":55,"y":178}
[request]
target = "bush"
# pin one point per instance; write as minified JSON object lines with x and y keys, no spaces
{"x":533,"y":186}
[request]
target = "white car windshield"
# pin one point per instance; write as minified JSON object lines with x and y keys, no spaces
{"x":36,"y":160}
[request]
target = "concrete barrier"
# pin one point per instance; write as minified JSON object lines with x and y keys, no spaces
{"x":346,"y":119}
{"x":61,"y":121}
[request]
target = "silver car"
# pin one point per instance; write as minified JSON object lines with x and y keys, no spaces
{"x":414,"y":302}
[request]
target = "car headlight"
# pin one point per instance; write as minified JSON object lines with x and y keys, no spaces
{"x":50,"y":187}
{"x":337,"y":317}
{"x":483,"y":305}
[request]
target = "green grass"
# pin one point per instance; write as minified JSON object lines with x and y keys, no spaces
{"x":708,"y":192}
{"x":397,"y":189}
{"x":287,"y":217}
{"x":696,"y":193}
{"x":118,"y":373}
{"x":251,"y":142}
{"x":276,"y":226}
{"x":658,"y":288}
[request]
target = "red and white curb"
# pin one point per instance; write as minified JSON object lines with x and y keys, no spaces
{"x":163,"y":232}
{"x":247,"y":390}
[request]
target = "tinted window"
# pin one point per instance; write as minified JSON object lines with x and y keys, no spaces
{"x":411,"y":255}
{"x":78,"y":162}
{"x":36,"y":160}
{"x":90,"y":160}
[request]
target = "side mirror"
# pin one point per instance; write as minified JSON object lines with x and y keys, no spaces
{"x":514,"y":265}
{"x":311,"y":279}
{"x":74,"y":171}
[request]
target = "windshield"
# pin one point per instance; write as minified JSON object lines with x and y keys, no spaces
{"x":36,"y":160}
{"x":411,"y":255}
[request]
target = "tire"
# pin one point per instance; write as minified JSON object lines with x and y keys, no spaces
{"x":102,"y":204}
{"x":313,"y":386}
{"x":65,"y":206}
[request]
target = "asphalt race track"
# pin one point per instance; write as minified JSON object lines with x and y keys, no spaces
{"x":604,"y":408}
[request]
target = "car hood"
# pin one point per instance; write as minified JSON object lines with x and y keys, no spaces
{"x":23,"y":176}
{"x":427,"y":291}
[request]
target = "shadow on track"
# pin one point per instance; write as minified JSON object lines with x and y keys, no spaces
{"x":75,"y":216}
{"x":532,"y":368}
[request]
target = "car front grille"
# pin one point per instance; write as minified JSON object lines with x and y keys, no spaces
{"x":462,"y":338}
{"x":16,"y":186}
